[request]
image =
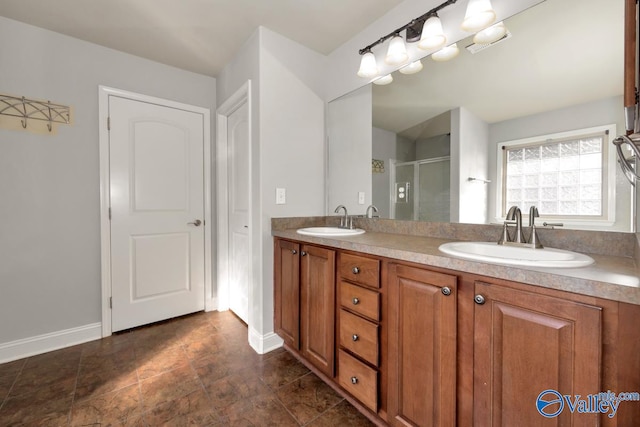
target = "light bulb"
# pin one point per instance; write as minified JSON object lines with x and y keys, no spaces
{"x":385,"y":80}
{"x":397,"y":52}
{"x":479,"y":15}
{"x":368,"y":66}
{"x":412,"y":68}
{"x":432,"y":34}
{"x":490,"y":34}
{"x":446,"y":53}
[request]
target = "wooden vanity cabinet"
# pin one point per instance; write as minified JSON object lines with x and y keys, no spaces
{"x":304,"y":291}
{"x":437,"y":347}
{"x":421,"y":347}
{"x":526,"y":343}
{"x":358,"y":335}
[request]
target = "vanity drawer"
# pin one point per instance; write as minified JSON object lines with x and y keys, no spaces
{"x":358,"y":269}
{"x":360,"y":300}
{"x":359,"y":336}
{"x":358,"y":379}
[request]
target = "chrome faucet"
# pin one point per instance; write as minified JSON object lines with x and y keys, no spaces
{"x":370,"y":208}
{"x":514,"y":217}
{"x":344,"y":221}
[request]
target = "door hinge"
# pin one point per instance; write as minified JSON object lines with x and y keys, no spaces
{"x":108,"y":123}
{"x":110,"y":302}
{"x":109,"y":214}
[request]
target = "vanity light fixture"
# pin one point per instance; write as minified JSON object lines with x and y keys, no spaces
{"x":432,"y":34}
{"x":412,"y":68}
{"x":385,"y":80}
{"x":446,"y":53}
{"x":428,"y":32}
{"x":368,"y":67}
{"x":397,"y":52}
{"x":490,"y":34}
{"x":478,"y":16}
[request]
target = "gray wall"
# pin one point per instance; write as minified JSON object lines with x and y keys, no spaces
{"x":288,"y":147}
{"x":49,"y":184}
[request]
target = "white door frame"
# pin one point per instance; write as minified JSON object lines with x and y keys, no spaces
{"x":105,"y":224}
{"x":240,"y":97}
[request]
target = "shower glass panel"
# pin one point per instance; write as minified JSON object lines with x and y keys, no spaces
{"x":434,"y":188}
{"x":421,"y":190}
{"x":404,"y":185}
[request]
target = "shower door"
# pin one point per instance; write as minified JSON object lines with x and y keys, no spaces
{"x":421,"y":190}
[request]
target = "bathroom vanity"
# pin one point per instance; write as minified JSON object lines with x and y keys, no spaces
{"x":412,"y":336}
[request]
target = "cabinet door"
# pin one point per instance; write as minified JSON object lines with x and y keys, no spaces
{"x":526,"y":343}
{"x":422,"y":347}
{"x":287,"y":292}
{"x":317,"y":307}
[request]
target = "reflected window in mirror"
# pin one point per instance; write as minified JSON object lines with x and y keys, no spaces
{"x":565,"y":175}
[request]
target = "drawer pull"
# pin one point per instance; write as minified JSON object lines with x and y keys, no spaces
{"x":303,"y":253}
{"x":446,"y":291}
{"x":479,"y":299}
{"x":356,"y":270}
{"x":355,"y":301}
{"x":355,"y":337}
{"x":293,"y":251}
{"x":354,"y":380}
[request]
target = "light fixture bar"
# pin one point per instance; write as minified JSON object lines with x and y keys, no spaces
{"x":415,"y":23}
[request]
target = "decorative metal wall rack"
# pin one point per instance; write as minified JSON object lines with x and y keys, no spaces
{"x":31,"y":109}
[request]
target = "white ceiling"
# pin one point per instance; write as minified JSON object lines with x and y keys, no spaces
{"x":562,"y":53}
{"x":198,"y":35}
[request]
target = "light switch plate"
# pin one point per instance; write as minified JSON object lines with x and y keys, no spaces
{"x":361,"y":197}
{"x":281,"y":196}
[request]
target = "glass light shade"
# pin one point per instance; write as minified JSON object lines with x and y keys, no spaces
{"x":446,"y":53}
{"x":479,"y":15}
{"x":432,"y":34}
{"x":368,"y":66}
{"x":412,"y":68}
{"x":385,"y":80}
{"x":491,"y":34}
{"x":397,"y":52}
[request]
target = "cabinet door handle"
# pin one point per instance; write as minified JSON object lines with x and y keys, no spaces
{"x":354,"y":380}
{"x":446,"y":291}
{"x":355,"y":301}
{"x":303,"y":253}
{"x":356,"y":270}
{"x":479,"y":299}
{"x":355,"y":337}
{"x":293,"y":251}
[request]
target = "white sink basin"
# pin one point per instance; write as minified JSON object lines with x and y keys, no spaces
{"x":329,"y":231}
{"x":514,"y":255}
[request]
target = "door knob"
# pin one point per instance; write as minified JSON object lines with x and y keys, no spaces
{"x":197,"y":223}
{"x":479,"y":299}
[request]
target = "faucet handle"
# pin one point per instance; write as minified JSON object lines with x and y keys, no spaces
{"x":533,"y":214}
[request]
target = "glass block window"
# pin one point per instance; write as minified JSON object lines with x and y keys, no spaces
{"x":561,"y":177}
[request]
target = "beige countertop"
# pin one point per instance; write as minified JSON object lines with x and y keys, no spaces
{"x":611,"y":277}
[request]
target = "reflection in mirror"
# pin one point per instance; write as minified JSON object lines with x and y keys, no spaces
{"x":554,"y":72}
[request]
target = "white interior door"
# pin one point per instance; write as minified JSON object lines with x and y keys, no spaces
{"x":238,"y":178}
{"x":157,"y":212}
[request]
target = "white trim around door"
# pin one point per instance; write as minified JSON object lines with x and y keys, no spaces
{"x":105,"y":243}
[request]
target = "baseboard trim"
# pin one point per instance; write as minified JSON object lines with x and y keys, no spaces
{"x":39,"y":344}
{"x":264,"y":343}
{"x":211,"y":304}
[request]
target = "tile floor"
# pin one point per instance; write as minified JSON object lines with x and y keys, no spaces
{"x":196,"y":370}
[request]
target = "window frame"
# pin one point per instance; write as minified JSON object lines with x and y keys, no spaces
{"x":608,"y":217}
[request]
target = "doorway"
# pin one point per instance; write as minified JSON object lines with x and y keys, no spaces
{"x":234,"y":204}
{"x":156,"y":216}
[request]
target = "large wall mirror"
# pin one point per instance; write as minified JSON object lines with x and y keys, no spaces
{"x":435,"y":135}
